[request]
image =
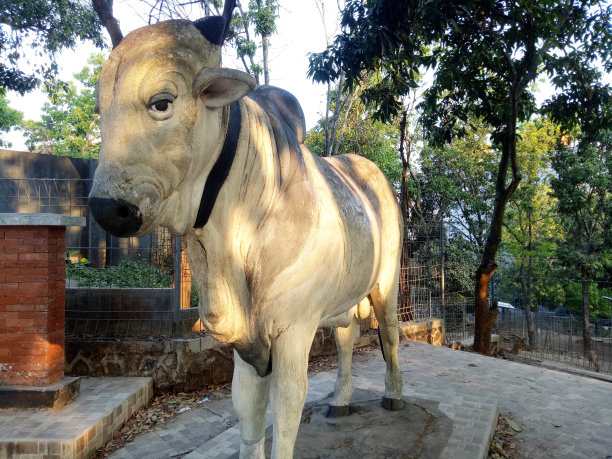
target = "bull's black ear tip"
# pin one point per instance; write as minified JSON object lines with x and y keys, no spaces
{"x":212,"y":28}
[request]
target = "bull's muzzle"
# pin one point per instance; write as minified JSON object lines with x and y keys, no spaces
{"x":118,"y":217}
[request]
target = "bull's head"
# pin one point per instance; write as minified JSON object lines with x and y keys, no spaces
{"x":163,"y":102}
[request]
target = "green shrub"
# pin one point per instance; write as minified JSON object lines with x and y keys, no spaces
{"x":130,"y":274}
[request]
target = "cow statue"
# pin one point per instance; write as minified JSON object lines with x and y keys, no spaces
{"x":280,"y":242}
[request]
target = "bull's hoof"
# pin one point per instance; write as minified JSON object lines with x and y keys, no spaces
{"x":393,"y":404}
{"x":338,"y":411}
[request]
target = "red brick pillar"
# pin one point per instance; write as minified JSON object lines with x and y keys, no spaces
{"x":32,"y":299}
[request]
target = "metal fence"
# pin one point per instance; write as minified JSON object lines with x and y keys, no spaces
{"x":141,"y":287}
{"x":32,"y":195}
{"x":115,"y":287}
{"x":557,"y":338}
{"x":429,"y":279}
{"x":421,"y":290}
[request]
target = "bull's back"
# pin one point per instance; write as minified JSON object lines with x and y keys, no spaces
{"x":368,"y":214}
{"x":332,"y":228}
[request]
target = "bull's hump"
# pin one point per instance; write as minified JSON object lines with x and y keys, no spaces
{"x":283,"y":106}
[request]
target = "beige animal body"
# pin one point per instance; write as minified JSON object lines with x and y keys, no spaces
{"x":292,"y":242}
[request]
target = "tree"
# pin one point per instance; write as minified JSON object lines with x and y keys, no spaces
{"x":9,"y":117}
{"x":460,"y":176}
{"x":583,"y":188}
{"x":259,"y":19}
{"x":33,"y":32}
{"x":69,"y":126}
{"x":530,"y":222}
{"x":263,"y":15}
{"x":485,"y":55}
{"x":359,"y":134}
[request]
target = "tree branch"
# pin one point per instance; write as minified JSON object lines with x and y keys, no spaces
{"x":104,"y":10}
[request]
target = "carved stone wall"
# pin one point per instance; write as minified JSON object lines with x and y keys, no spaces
{"x":429,"y":331}
{"x":174,"y":365}
{"x":187,"y":364}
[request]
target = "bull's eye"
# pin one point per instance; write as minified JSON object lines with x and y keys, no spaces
{"x":160,"y":106}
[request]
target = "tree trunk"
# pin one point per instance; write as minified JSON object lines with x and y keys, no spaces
{"x":526,"y":290}
{"x":265,"y":44}
{"x":586,"y":311}
{"x":327,"y":151}
{"x":485,"y":315}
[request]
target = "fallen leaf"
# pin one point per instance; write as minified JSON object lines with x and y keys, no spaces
{"x":514,"y":425}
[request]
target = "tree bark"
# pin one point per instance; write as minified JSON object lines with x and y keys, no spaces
{"x":526,"y":291}
{"x":586,"y":312}
{"x":104,"y":10}
{"x":266,"y":66}
{"x":484,"y":315}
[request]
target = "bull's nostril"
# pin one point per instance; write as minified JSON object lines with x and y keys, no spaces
{"x":116,"y":216}
{"x":123,"y":212}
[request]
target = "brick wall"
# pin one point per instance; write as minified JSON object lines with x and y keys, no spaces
{"x":32,"y":295}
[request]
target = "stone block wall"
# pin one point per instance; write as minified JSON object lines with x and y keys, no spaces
{"x":429,"y":331}
{"x":174,"y":365}
{"x":32,"y":296}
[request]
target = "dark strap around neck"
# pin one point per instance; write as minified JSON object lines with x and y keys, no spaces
{"x":221,"y":168}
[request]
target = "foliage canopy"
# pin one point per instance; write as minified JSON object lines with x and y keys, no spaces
{"x":42,"y":27}
{"x":69,"y":125}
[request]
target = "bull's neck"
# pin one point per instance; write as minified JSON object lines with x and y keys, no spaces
{"x":221,"y":168}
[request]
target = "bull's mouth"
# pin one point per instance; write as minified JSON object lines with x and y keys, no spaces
{"x":116,"y":216}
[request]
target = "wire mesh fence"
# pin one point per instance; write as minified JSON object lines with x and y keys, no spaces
{"x":142,"y":287}
{"x":128,"y":287}
{"x":556,"y":338}
{"x":33,"y":195}
{"x":421,"y":273}
{"x":139,"y":287}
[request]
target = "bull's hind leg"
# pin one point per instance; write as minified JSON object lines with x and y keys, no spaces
{"x":345,"y":339}
{"x":385,"y":309}
{"x":250,"y":394}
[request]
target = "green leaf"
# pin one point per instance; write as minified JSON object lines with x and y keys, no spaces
{"x":513,"y":425}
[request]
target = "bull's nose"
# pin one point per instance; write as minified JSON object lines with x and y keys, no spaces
{"x":118,"y":217}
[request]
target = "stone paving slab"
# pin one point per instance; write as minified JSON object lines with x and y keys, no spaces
{"x":562,"y":415}
{"x":182,"y":435}
{"x":78,"y":429}
{"x":474,"y":418}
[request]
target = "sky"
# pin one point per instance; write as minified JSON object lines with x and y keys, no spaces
{"x":300,"y":30}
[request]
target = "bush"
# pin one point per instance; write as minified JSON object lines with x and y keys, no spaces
{"x":130,"y":274}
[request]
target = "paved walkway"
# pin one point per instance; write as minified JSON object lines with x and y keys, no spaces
{"x":79,"y":428}
{"x":562,"y":415}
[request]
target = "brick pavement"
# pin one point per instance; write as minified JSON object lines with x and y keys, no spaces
{"x":77,"y":429}
{"x":562,"y":415}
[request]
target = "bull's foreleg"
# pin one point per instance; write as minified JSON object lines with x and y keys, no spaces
{"x":289,"y":385}
{"x":345,"y":339}
{"x":250,"y":393}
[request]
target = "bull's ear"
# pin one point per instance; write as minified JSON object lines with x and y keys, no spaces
{"x":219,"y":87}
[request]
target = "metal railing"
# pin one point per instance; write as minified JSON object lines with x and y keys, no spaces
{"x":557,"y":339}
{"x":141,"y":287}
